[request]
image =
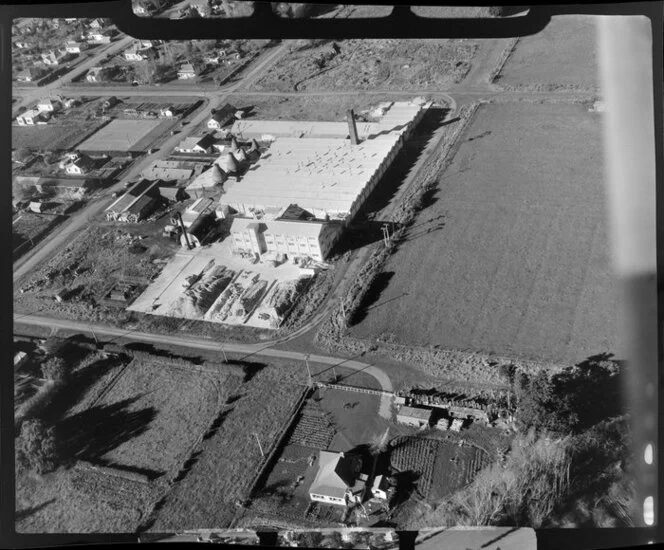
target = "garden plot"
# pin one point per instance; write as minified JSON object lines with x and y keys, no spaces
{"x":213,"y":284}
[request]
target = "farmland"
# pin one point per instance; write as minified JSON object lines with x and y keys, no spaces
{"x":63,"y":135}
{"x":562,"y":56}
{"x":224,"y":464}
{"x":516,"y":234}
{"x":370,"y":64}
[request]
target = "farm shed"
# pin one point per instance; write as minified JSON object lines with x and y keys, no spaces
{"x":469,"y":413}
{"x":136,"y":203}
{"x":412,"y":416}
{"x":337,"y":480}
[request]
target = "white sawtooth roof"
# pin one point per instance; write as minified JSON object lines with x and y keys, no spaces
{"x":324,"y":174}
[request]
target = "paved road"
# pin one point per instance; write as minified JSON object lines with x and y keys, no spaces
{"x":246,"y":350}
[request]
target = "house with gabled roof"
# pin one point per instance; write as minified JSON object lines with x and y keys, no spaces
{"x":221,"y":116}
{"x":338,"y":479}
{"x":186,"y":71}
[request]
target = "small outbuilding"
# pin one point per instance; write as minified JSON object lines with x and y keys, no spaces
{"x":413,"y":416}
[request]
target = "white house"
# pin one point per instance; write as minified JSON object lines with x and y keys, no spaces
{"x":140,"y":9}
{"x":80,"y":166}
{"x":221,"y":116}
{"x":186,"y":72}
{"x":47,"y":105}
{"x":135,"y":53}
{"x":96,"y":24}
{"x":30,"y":117}
{"x":200,"y":144}
{"x":166,"y":112}
{"x":73,"y":47}
{"x":98,"y":38}
{"x":337,"y":480}
{"x":51,"y":58}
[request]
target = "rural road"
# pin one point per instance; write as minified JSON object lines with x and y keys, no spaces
{"x":248,"y":350}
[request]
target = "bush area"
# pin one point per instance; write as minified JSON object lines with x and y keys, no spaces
{"x":569,"y":466}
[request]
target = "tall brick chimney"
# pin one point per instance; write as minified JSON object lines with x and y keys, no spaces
{"x":352,"y":128}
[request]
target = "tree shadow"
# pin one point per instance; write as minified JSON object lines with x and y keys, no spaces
{"x":188,"y":465}
{"x":27,"y":512}
{"x":405,"y":486}
{"x":217,"y":422}
{"x":371,"y":297}
{"x":90,"y":434}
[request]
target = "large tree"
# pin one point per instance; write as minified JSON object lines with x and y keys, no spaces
{"x":35,"y":447}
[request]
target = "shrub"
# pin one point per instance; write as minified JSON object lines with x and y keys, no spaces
{"x":35,"y":448}
{"x":54,"y":369}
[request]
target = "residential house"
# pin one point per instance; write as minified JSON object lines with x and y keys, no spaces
{"x":167,"y":171}
{"x":37,"y":207}
{"x":31,"y":117}
{"x":48,"y":105}
{"x":74,"y":47}
{"x":81,"y":165}
{"x":51,"y":58}
{"x":221,"y":116}
{"x":98,"y":38}
{"x":21,"y":45}
{"x":338,"y":479}
{"x":413,"y":416}
{"x":19,"y":359}
{"x":134,"y":53}
{"x":201,"y":144}
{"x":110,"y":102}
{"x":140,"y":9}
{"x":186,"y":71}
{"x":167,"y":112}
{"x":97,"y":24}
{"x":29,"y":75}
{"x":95,"y":74}
{"x":70,"y":102}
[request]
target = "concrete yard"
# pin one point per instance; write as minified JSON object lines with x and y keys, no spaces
{"x":166,"y":295}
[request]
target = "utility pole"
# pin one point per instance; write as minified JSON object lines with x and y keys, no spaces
{"x":224,"y":353}
{"x":306,"y":362}
{"x":386,"y":234}
{"x":259,"y":444}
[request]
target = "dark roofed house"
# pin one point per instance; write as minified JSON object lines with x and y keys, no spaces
{"x":221,"y":116}
{"x":338,"y":479}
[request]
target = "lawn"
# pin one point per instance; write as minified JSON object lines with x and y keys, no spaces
{"x":149,"y":417}
{"x":64,"y":135}
{"x":124,"y":135}
{"x":510,"y":254}
{"x":221,"y":470}
{"x":385,"y":64}
{"x":562,"y":56}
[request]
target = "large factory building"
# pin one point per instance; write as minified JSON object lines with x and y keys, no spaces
{"x":312,"y":180}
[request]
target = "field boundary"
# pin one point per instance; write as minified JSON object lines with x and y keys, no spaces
{"x":278,"y":442}
{"x":357,"y":389}
{"x":504,"y":57}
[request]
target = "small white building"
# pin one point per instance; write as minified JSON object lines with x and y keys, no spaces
{"x":96,"y":24}
{"x":166,"y":112}
{"x":80,"y":166}
{"x":380,"y":487}
{"x":30,"y":117}
{"x":51,"y":58}
{"x":74,"y":47}
{"x":186,"y":72}
{"x":47,"y":105}
{"x":221,"y":116}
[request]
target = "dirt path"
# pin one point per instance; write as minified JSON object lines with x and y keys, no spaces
{"x":485,"y":61}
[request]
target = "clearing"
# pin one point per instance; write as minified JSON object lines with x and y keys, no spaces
{"x":60,"y":136}
{"x":125,"y":135}
{"x":562,"y":56}
{"x":362,"y":64}
{"x":515,"y":234}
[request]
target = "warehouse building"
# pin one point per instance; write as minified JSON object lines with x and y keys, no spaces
{"x":326,"y":172}
{"x":137,"y":203}
{"x":412,"y":416}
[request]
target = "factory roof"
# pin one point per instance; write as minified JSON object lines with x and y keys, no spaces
{"x":322,"y":174}
{"x":396,"y":116}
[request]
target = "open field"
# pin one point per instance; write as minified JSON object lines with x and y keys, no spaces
{"x":385,"y":64}
{"x":151,"y":416}
{"x":562,"y":56}
{"x":123,"y":135}
{"x":51,"y":137}
{"x":225,"y":463}
{"x":516,"y":237}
